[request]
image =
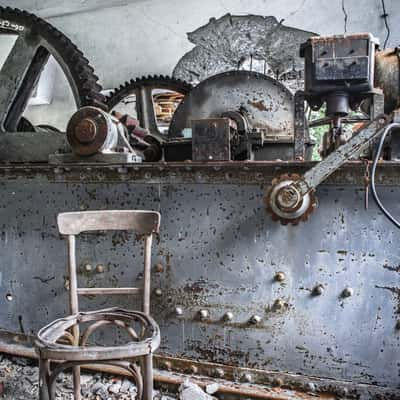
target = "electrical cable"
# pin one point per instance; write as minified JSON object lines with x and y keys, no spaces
{"x":385,"y":18}
{"x":373,"y":171}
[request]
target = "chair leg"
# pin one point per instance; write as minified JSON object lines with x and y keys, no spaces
{"x":44,"y":373}
{"x":147,"y":377}
{"x":76,"y":372}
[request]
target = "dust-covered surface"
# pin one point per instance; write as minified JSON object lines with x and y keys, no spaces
{"x":19,"y":381}
{"x":250,"y":42}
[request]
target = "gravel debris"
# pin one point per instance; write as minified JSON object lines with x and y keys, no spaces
{"x":19,"y":381}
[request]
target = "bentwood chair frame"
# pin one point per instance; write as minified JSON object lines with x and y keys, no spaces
{"x":76,"y":354}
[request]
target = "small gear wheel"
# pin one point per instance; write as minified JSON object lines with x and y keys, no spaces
{"x":286,"y":204}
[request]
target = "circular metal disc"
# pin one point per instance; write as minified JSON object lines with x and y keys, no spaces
{"x":268,"y":104}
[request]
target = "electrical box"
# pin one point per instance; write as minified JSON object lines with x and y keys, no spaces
{"x":339,"y":63}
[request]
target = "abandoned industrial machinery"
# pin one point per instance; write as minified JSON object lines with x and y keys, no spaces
{"x":166,"y":192}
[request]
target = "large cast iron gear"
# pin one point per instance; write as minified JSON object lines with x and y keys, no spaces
{"x":143,"y":88}
{"x":36,"y":41}
{"x":285,"y":203}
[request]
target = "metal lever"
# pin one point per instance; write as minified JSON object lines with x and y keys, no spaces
{"x":291,"y":198}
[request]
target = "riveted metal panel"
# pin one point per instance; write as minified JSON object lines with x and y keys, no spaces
{"x":219,"y":252}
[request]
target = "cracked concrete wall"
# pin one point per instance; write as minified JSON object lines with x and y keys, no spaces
{"x":125,"y":39}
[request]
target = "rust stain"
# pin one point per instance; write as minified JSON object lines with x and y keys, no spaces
{"x":259,"y":105}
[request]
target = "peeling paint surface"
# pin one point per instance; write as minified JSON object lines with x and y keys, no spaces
{"x":220,"y":252}
{"x":251,"y":42}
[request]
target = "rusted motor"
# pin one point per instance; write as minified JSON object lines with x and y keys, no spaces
{"x":387,"y":77}
{"x":91,"y":131}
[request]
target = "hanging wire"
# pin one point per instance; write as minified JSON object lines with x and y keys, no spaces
{"x":378,"y":201}
{"x":345,"y":16}
{"x":385,"y":16}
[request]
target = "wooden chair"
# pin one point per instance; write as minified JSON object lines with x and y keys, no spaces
{"x":74,"y":352}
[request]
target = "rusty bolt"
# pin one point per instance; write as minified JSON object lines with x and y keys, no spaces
{"x":277,"y":382}
{"x":58,"y":170}
{"x":159,"y":268}
{"x":219,"y":373}
{"x":100,"y":268}
{"x":310,"y":387}
{"x":178,"y":311}
{"x":347,"y":292}
{"x":318,"y":290}
{"x":247,"y":378}
{"x":193,"y":369}
{"x":280,"y":276}
{"x":122,"y":170}
{"x":87,"y":267}
{"x":166,"y":365}
{"x":255,"y":319}
{"x":228,"y":316}
{"x":279,"y":304}
{"x":158,"y":292}
{"x":204,"y":314}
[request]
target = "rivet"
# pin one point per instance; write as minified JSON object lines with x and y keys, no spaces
{"x":279,"y":304}
{"x":280,"y":276}
{"x":9,"y":297}
{"x":204,"y":314}
{"x":255,"y":319}
{"x":87,"y":267}
{"x":178,"y":311}
{"x":219,"y":373}
{"x":228,"y":316}
{"x":310,"y":387}
{"x":122,"y":170}
{"x":397,"y":326}
{"x":159,"y":268}
{"x":193,"y":369}
{"x":277,"y":382}
{"x":158,"y":292}
{"x":100,"y":268}
{"x":166,"y":365}
{"x":58,"y":170}
{"x":247,"y":378}
{"x":347,"y":292}
{"x":318,"y":290}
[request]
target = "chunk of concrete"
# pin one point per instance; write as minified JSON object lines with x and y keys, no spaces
{"x":190,"y":391}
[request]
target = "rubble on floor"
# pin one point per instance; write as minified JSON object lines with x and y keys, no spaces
{"x":19,"y":381}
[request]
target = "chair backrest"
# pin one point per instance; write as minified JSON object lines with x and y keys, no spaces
{"x":142,"y":222}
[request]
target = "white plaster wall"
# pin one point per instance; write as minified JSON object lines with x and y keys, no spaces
{"x":124,"y":39}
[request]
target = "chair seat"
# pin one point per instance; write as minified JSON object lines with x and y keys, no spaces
{"x":146,"y":339}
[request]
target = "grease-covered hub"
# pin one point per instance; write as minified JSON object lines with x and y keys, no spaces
{"x":85,"y":130}
{"x":91,"y":130}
